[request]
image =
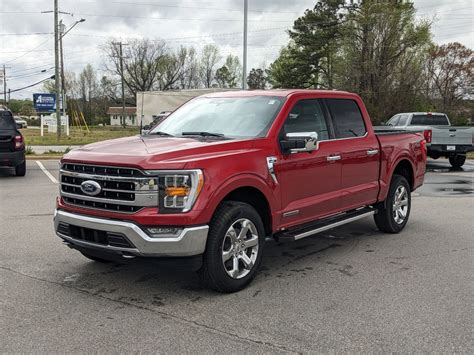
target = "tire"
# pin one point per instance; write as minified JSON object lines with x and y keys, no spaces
{"x":457,"y":161}
{"x":20,"y":170}
{"x":95,"y":258}
{"x":392,"y":215}
{"x":229,"y":240}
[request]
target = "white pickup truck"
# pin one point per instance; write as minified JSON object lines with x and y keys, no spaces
{"x":443,"y":140}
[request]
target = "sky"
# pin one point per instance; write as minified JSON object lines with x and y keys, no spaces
{"x":27,"y":41}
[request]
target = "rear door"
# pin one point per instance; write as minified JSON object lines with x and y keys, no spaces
{"x":8,"y":132}
{"x":360,"y":154}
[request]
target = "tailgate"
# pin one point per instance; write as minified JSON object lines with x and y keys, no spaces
{"x":452,"y":135}
{"x":7,"y":140}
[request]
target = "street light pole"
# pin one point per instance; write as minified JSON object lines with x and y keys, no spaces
{"x":56,"y":68}
{"x":244,"y":68}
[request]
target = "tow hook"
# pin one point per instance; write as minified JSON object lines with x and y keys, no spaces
{"x":128,"y":255}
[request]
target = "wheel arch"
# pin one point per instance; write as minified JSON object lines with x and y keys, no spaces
{"x":248,"y":189}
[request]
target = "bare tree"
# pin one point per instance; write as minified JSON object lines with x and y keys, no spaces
{"x":189,"y":79}
{"x":209,"y":59}
{"x":143,"y":63}
{"x":450,"y":70}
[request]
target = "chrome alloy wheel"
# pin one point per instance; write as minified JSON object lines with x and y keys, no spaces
{"x":240,"y":248}
{"x":400,"y":204}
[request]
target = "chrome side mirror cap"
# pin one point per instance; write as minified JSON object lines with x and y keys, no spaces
{"x":302,"y":142}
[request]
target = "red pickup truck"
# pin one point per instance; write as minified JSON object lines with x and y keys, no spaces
{"x":227,"y":170}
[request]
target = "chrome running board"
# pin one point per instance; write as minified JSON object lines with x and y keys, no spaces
{"x":324,"y":224}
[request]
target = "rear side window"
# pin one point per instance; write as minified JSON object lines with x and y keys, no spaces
{"x":429,"y":120}
{"x":6,"y":120}
{"x":347,"y":118}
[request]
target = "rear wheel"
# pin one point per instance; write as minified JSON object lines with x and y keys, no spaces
{"x":234,"y":247}
{"x":457,"y":160}
{"x":20,"y":170}
{"x":392,"y":215}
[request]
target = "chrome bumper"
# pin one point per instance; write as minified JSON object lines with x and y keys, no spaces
{"x":190,"y":241}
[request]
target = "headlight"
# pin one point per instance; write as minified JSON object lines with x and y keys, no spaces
{"x":179,"y":190}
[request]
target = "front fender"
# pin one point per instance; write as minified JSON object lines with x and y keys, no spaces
{"x":235,"y":182}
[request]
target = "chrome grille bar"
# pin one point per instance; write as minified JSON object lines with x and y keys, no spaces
{"x":125,"y":194}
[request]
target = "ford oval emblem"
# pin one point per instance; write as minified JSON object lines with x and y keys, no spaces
{"x":91,"y":188}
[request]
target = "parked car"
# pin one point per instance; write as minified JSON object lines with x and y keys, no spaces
{"x":227,"y":170}
{"x":157,"y":119}
{"x":443,"y":139}
{"x":20,"y":123}
{"x":12,"y":145}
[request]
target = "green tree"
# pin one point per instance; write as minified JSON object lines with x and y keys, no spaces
{"x":256,"y":79}
{"x":285,"y":71}
{"x":308,"y":60}
{"x":224,"y":77}
{"x":382,"y":55}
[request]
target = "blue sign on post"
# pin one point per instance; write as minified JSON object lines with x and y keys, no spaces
{"x":44,"y":102}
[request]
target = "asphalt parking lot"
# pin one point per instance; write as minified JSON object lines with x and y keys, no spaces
{"x":351,"y":289}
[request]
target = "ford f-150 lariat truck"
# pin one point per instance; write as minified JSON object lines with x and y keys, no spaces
{"x":227,"y":170}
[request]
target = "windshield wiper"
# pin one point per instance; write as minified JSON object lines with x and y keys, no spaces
{"x":159,"y":133}
{"x":202,"y":134}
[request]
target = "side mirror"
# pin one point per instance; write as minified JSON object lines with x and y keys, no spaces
{"x":300,"y":142}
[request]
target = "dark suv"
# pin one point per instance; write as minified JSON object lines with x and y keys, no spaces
{"x":12,"y":144}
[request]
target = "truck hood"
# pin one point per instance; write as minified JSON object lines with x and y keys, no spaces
{"x":155,"y":152}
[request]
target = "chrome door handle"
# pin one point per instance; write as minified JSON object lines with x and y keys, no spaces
{"x":333,"y":157}
{"x":372,"y":151}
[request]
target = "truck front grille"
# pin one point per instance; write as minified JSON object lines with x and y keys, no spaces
{"x":128,"y":192}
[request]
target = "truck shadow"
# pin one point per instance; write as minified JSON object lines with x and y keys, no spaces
{"x":144,"y":284}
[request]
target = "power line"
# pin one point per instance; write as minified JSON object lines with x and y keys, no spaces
{"x":29,"y":86}
{"x":202,"y":8}
{"x":26,"y":34}
{"x":21,"y":56}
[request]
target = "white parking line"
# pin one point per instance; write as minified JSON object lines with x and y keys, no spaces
{"x":46,"y":172}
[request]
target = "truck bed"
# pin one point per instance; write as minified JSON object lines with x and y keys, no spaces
{"x":387,"y":130}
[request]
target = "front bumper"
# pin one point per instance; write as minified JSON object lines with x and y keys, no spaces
{"x":189,"y":242}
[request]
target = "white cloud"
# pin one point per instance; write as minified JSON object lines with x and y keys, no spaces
{"x":183,"y":22}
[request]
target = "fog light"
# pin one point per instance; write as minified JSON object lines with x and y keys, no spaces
{"x":159,"y":232}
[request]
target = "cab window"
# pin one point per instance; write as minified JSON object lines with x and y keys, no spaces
{"x":394,"y":121}
{"x":307,"y":116}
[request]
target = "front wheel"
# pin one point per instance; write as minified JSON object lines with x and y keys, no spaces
{"x":392,"y":214}
{"x":234,"y":247}
{"x":457,"y":161}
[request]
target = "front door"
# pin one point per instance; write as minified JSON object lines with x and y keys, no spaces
{"x":310,"y":181}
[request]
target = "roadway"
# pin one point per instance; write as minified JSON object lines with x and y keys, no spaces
{"x":351,"y":289}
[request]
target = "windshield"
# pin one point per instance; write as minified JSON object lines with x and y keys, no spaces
{"x":429,"y":120}
{"x":232,"y":117}
{"x":6,"y":120}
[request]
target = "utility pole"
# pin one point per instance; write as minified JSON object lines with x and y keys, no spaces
{"x":244,"y":69}
{"x":4,"y":85}
{"x":56,"y":68}
{"x":120,"y":44}
{"x":63,"y":82}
